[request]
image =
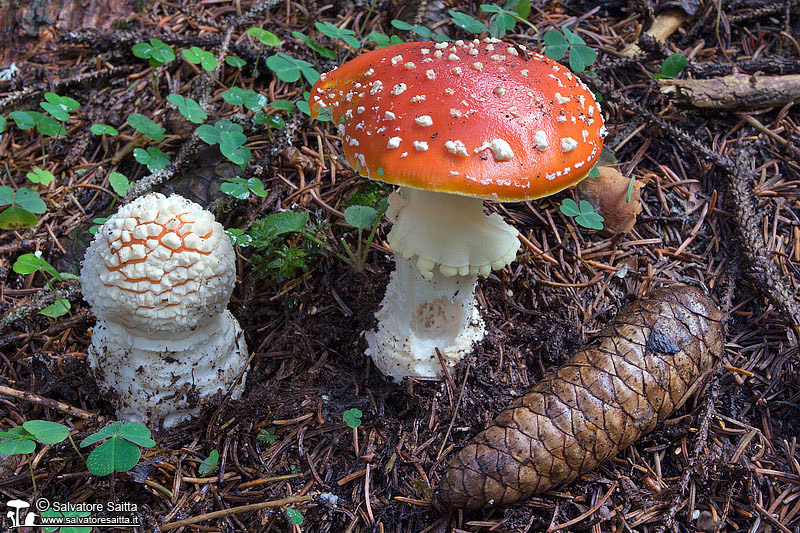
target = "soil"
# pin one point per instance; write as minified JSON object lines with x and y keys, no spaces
{"x":727,"y":461}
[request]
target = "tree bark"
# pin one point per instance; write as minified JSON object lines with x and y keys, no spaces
{"x":25,"y":25}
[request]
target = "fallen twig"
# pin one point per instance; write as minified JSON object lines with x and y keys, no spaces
{"x":737,"y":91}
{"x":235,"y":510}
{"x":47,"y":402}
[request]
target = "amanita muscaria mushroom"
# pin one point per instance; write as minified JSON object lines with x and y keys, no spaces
{"x":159,"y":275}
{"x":454,"y":123}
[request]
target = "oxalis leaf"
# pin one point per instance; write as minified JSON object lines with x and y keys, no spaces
{"x":209,"y":463}
{"x":569,"y":207}
{"x":56,"y":309}
{"x":17,"y":446}
{"x":153,"y":158}
{"x":15,"y":217}
{"x":555,"y":45}
{"x":144,"y":125}
{"x":46,"y":432}
{"x":121,"y":451}
{"x":352,"y":417}
{"x":360,"y":216}
{"x":266,"y":37}
{"x":119,"y":182}
{"x":114,"y":455}
{"x":188,"y":108}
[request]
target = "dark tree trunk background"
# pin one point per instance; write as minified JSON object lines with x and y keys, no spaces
{"x":26,"y":25}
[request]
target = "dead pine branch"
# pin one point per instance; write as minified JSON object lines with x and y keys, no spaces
{"x":46,"y":402}
{"x":762,"y":268}
{"x":737,"y":91}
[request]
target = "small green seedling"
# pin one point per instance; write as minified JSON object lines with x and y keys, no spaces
{"x":503,"y":20}
{"x":121,"y":450}
{"x":362,"y":217}
{"x":153,"y":158}
{"x":30,"y":263}
{"x":103,"y":129}
{"x":266,"y":37}
{"x":314,"y":45}
{"x":268,"y":436}
{"x":209,"y":464}
{"x":671,"y":67}
{"x":43,"y":177}
{"x":289,"y":69}
{"x":557,"y":43}
{"x":59,"y":106}
{"x":282,"y":105}
{"x":352,"y":417}
{"x":120,"y":183}
{"x":629,"y":192}
{"x":98,"y":222}
{"x":23,"y":206}
{"x":189,"y":108}
{"x":584,"y":214}
{"x":198,"y":56}
{"x":273,"y":121}
{"x":384,"y":40}
{"x":422,"y":31}
{"x":240,"y":188}
{"x":147,"y":127}
{"x":238,"y":237}
{"x":466,"y":22}
{"x":276,"y":225}
{"x":248,"y":98}
{"x":230,"y":138}
{"x":157,"y":51}
{"x":3,"y":123}
{"x":22,"y":439}
{"x":45,"y":125}
{"x":295,"y":516}
{"x":334,"y":32}
{"x":235,"y":62}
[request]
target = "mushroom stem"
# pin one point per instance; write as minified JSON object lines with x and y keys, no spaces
{"x":449,"y":231}
{"x":150,"y":380}
{"x":417,"y":316}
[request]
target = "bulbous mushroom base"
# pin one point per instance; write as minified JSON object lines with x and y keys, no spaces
{"x":164,"y":381}
{"x":417,"y":316}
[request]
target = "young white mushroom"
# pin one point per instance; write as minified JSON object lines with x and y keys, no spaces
{"x":159,"y":275}
{"x":453,"y":124}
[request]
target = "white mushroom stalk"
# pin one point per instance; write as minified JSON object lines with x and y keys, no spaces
{"x":442,"y":243}
{"x":158,"y":275}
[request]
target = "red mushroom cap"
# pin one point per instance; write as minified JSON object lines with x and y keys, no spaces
{"x":478,"y":118}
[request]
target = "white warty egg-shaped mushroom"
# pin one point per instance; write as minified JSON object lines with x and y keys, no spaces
{"x":159,"y":275}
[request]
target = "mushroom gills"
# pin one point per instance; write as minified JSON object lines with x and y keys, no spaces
{"x":419,"y":315}
{"x":450,"y":232}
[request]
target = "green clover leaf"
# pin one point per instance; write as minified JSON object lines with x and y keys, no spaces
{"x":352,"y":417}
